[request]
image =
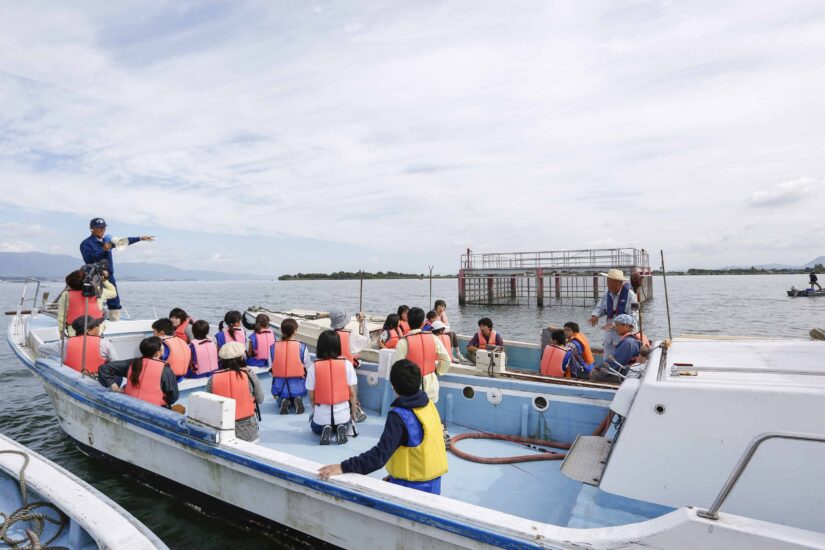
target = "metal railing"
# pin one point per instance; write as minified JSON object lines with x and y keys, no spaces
{"x":713,"y":512}
{"x":602,"y":258}
{"x":33,"y":299}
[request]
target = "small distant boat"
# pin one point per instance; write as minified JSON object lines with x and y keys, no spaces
{"x":72,"y":513}
{"x":803,"y":292}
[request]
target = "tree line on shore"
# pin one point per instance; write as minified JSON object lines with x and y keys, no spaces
{"x":346,"y":275}
{"x":819,"y":268}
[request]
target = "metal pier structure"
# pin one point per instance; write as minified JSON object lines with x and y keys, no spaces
{"x":556,"y":277}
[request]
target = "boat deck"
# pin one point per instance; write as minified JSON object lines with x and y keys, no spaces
{"x":532,"y":490}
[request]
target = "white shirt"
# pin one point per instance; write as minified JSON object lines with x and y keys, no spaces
{"x":321,"y":413}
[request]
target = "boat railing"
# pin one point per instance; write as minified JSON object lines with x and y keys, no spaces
{"x":712,"y":513}
{"x":24,"y":299}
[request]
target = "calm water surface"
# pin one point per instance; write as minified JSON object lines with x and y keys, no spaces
{"x":723,"y":305}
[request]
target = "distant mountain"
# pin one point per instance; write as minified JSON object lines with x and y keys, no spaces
{"x":819,"y":260}
{"x":15,"y":265}
{"x":809,"y":265}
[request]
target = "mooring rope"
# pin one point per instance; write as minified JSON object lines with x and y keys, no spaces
{"x":26,"y":513}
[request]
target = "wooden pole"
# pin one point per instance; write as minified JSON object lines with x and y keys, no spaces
{"x":667,"y":302}
{"x":361,"y":294}
{"x":431,"y":285}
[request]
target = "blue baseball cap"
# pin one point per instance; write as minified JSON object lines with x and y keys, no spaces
{"x":97,"y":222}
{"x":623,"y":319}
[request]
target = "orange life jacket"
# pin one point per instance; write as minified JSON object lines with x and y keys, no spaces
{"x":287,"y":362}
{"x":344,"y":335}
{"x":77,"y":307}
{"x":483,"y":342}
{"x":74,"y":353}
{"x":404,"y":326}
{"x":331,"y":385}
{"x":551,"y":361}
{"x":587,"y":353}
{"x":445,"y":339}
{"x":421,"y":350}
{"x":180,"y":355}
{"x":148,"y":388}
{"x":180,"y":332}
{"x":392,"y":341}
{"x":263,"y":341}
{"x":235,"y":384}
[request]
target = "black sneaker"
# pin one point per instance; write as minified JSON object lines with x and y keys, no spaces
{"x":284,"y":406}
{"x":341,"y":434}
{"x":299,"y":405}
{"x":326,"y":433}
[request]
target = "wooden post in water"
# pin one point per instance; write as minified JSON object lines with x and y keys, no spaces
{"x":461,"y":288}
{"x":595,"y":286}
{"x":490,"y":289}
{"x":540,"y":287}
{"x":558,"y":285}
{"x":361,"y":294}
{"x":512,"y":288}
{"x":431,"y":284}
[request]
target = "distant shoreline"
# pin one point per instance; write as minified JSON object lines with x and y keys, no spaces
{"x":350,"y":276}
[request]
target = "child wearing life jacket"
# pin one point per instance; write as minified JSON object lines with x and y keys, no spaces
{"x":428,"y":321}
{"x":580,"y":348}
{"x":402,"y":312}
{"x":148,"y":378}
{"x":351,"y":342}
{"x":333,"y":389}
{"x":175,"y":351}
{"x":261,"y":343}
{"x":555,"y":357}
{"x":98,"y":350}
{"x":390,"y":333}
{"x":182,"y":323}
{"x":440,"y":307}
{"x":290,"y":363}
{"x":425,"y":350}
{"x":72,"y":304}
{"x":204,"y":351}
{"x":412,"y":445}
{"x":485,"y":336}
{"x":235,"y":380}
{"x":230,"y":330}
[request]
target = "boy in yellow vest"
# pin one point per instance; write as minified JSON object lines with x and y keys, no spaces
{"x":412,"y":444}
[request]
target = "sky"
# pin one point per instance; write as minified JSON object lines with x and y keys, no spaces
{"x":276,"y":137}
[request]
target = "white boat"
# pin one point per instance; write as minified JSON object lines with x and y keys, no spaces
{"x":659,"y":478}
{"x":79,"y":516}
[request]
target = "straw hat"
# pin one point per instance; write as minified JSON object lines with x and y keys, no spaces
{"x":615,"y":274}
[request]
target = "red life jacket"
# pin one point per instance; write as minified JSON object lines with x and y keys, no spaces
{"x":551,"y":361}
{"x":180,"y":356}
{"x":392,"y":341}
{"x":77,"y":307}
{"x":483,"y":342}
{"x":587,"y":353}
{"x":148,"y":388}
{"x":287,"y":362}
{"x":404,"y":326}
{"x":206,"y":355}
{"x":331,"y":385}
{"x":74,"y":353}
{"x":264,"y":341}
{"x":421,"y":350}
{"x":229,"y":383}
{"x":180,"y":332}
{"x":345,"y":352}
{"x":445,"y":339}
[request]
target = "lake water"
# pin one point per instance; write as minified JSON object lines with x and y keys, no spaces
{"x":751,"y":305}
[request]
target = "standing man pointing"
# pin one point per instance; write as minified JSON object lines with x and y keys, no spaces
{"x":98,"y":246}
{"x":618,"y":299}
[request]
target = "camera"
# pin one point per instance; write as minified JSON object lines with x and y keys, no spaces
{"x":93,"y":281}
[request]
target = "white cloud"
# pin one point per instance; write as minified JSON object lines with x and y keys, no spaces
{"x":506,"y":130}
{"x":788,"y":192}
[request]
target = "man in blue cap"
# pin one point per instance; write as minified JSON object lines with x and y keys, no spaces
{"x":626,"y":352}
{"x":98,"y":246}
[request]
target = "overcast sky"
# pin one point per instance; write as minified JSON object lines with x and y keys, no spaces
{"x":275,"y":137}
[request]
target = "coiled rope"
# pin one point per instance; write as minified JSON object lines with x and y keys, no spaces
{"x":531,"y":442}
{"x":27,"y":513}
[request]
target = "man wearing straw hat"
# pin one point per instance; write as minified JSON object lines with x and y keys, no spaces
{"x":98,"y":246}
{"x":618,"y":299}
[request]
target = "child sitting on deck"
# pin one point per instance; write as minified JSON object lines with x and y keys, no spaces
{"x":204,"y":351}
{"x":412,"y":444}
{"x":290,"y":364}
{"x":230,"y":330}
{"x":261,"y":343}
{"x":147,"y":377}
{"x":440,"y":307}
{"x":333,"y":389}
{"x":428,"y":322}
{"x":182,"y":323}
{"x":235,"y":380}
{"x":555,"y":356}
{"x":402,"y":312}
{"x":175,"y":350}
{"x":390,"y":333}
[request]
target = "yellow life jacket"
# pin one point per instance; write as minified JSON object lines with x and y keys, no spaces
{"x":426,"y":456}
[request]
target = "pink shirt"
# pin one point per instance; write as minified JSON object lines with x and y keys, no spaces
{"x":443,"y":318}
